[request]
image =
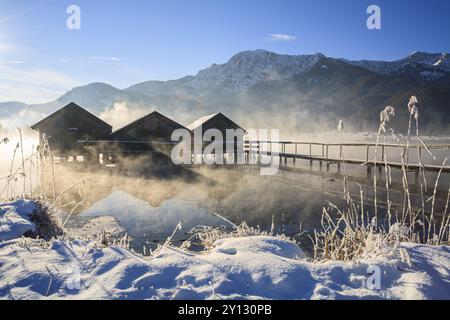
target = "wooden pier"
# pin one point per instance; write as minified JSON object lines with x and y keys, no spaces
{"x":266,"y":148}
{"x":326,"y":154}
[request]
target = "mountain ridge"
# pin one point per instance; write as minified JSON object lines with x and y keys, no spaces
{"x":296,"y":83}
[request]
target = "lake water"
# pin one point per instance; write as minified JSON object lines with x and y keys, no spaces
{"x":150,"y":209}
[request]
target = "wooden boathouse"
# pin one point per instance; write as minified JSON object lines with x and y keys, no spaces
{"x":151,"y":132}
{"x":221,"y":123}
{"x":72,"y":132}
{"x":69,"y":125}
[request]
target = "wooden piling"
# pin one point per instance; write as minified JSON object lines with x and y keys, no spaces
{"x":367,"y":154}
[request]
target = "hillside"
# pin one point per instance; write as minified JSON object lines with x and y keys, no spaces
{"x":313,"y":90}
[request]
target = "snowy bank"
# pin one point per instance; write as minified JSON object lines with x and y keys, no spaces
{"x":15,"y":219}
{"x":257,"y":267}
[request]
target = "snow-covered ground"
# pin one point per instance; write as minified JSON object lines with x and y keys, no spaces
{"x":257,"y":267}
{"x":15,"y":219}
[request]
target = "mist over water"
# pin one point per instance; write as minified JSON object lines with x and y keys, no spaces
{"x":149,"y":206}
{"x":149,"y":209}
{"x":11,"y":158}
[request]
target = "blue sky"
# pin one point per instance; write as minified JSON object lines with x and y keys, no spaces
{"x":125,"y":42}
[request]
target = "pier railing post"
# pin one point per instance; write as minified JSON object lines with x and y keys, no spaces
{"x":296,"y":150}
{"x":258,"y":153}
{"x":367,"y":154}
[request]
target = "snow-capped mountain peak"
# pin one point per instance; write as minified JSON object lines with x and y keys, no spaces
{"x":247,"y":68}
{"x":420,"y":65}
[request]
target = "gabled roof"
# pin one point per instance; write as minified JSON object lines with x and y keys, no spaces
{"x":201,"y":121}
{"x":136,"y":122}
{"x":72,"y":105}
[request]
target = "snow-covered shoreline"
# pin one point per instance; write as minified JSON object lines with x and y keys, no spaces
{"x":257,"y":267}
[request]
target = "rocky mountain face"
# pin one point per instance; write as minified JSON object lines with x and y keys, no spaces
{"x":248,"y":68}
{"x":334,"y":90}
{"x":420,"y":66}
{"x":298,"y":92}
{"x":414,"y":59}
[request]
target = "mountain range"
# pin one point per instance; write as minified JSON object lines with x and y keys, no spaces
{"x":292,"y":92}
